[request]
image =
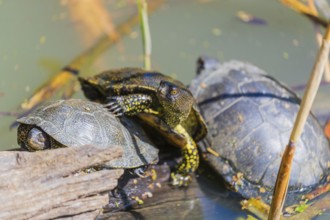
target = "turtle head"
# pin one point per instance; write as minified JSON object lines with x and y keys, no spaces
{"x":33,"y":138}
{"x":93,"y":88}
{"x":176,"y":102}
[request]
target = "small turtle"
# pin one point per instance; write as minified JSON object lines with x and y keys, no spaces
{"x":250,"y":116}
{"x":76,"y":123}
{"x":160,"y":101}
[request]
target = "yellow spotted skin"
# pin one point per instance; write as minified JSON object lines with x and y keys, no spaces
{"x":132,"y":104}
{"x":178,"y":136}
{"x":190,"y":160}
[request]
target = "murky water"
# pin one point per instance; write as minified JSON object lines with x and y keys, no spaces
{"x":38,"y":37}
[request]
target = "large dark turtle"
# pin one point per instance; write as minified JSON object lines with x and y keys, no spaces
{"x":76,"y":123}
{"x":160,"y":101}
{"x":250,"y":116}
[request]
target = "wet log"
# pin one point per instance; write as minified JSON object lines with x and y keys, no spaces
{"x":154,"y":198}
{"x":52,"y":184}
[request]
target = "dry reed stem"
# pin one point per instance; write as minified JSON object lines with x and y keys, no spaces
{"x":318,"y":35}
{"x":283,"y":176}
{"x":145,"y":30}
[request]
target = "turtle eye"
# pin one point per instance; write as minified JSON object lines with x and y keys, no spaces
{"x":37,"y":140}
{"x":174,"y":91}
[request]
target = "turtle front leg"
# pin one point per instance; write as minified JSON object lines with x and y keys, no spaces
{"x":190,"y":160}
{"x":128,"y":104}
{"x":179,"y":137}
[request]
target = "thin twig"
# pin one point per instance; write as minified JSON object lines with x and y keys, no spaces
{"x":311,"y":5}
{"x":145,"y":30}
{"x":283,"y":176}
{"x":305,"y":10}
{"x":326,"y":75}
{"x":298,"y":6}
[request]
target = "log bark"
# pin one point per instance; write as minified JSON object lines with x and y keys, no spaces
{"x":153,"y":198}
{"x":52,"y":184}
{"x":185,"y":207}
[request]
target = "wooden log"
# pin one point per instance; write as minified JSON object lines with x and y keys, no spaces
{"x":51,"y":184}
{"x":46,"y":185}
{"x":154,"y":198}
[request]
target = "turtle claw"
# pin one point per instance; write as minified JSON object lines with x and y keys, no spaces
{"x":115,"y":108}
{"x":140,"y":172}
{"x":117,"y":112}
{"x":110,"y":104}
{"x":179,"y":180}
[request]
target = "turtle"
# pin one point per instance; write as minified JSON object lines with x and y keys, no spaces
{"x":249,"y":116}
{"x":159,"y":101}
{"x":77,"y":123}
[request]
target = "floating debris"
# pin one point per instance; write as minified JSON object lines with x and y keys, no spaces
{"x":250,"y":19}
{"x":42,"y":39}
{"x":16,"y":67}
{"x":298,"y":208}
{"x":295,"y":42}
{"x":216,"y":32}
{"x":256,"y":206}
{"x":205,"y":1}
{"x":300,"y":87}
{"x":134,"y":35}
{"x":285,"y":55}
{"x":27,"y":88}
{"x":262,"y":190}
{"x":327,"y":129}
{"x":15,"y":114}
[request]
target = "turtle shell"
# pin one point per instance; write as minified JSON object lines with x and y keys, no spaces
{"x":76,"y":123}
{"x":126,"y":81}
{"x":250,"y":116}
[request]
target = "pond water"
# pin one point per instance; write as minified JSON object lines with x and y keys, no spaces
{"x":39,"y":37}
